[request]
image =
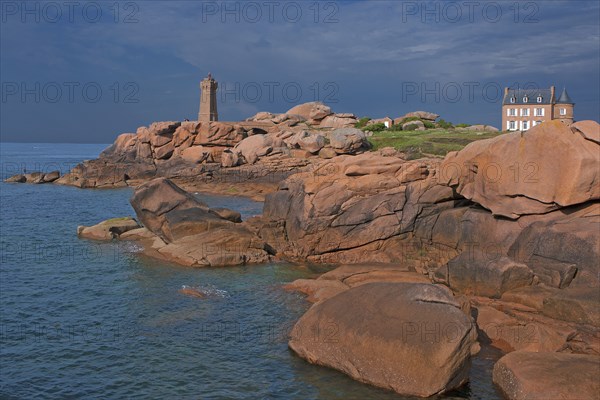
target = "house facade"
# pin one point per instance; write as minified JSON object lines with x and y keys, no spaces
{"x":523,"y":109}
{"x":387,"y":121}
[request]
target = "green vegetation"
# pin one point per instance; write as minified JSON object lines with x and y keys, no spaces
{"x":461,"y":125}
{"x":395,"y":127}
{"x":362,"y":122}
{"x":408,"y":119}
{"x":443,"y":124}
{"x":411,"y":127}
{"x":431,"y":142}
{"x":378,"y":127}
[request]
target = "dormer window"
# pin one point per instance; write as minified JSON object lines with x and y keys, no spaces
{"x":512,"y":99}
{"x":525,"y":99}
{"x":539,"y":99}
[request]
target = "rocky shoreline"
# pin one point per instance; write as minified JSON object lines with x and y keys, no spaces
{"x":498,"y":243}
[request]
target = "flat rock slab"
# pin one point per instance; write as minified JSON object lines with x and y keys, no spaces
{"x":542,"y":376}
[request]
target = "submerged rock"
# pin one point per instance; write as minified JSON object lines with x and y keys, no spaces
{"x":34,"y":177}
{"x":192,"y":292}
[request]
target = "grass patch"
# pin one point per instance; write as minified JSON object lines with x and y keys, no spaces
{"x":430,"y":142}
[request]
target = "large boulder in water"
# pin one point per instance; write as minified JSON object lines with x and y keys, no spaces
{"x":172,"y":213}
{"x":190,"y":232}
{"x":408,"y":337}
{"x":541,"y":376}
{"x":548,"y":167}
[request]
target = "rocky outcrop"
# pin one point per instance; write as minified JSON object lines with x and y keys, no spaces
{"x":348,"y":276}
{"x":473,"y":273}
{"x":588,"y":129}
{"x":481,"y":128}
{"x":190,"y":233}
{"x":34,"y":177}
{"x":254,"y":147}
{"x":188,"y":149}
{"x":107,"y":230}
{"x":426,"y":115}
{"x":379,"y":208}
{"x":348,"y":140}
{"x":172,"y":213}
{"x":541,"y":376}
{"x":337,"y":121}
{"x":410,"y":338}
{"x":521,"y":259}
{"x":546,"y":168}
{"x":413,"y":126}
{"x":313,"y":112}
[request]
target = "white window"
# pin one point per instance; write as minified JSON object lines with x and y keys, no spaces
{"x":512,"y":99}
{"x":524,"y":112}
{"x":525,"y":99}
{"x":539,"y":112}
{"x":511,"y":125}
{"x":512,"y":112}
{"x":525,"y":125}
{"x":535,"y":123}
{"x":563,"y":111}
{"x":539,"y":99}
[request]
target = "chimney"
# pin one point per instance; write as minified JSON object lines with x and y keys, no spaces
{"x":505,"y":91}
{"x":552,"y":90}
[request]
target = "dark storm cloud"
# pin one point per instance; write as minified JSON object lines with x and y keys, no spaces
{"x":372,"y":58}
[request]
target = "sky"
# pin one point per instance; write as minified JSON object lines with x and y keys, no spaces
{"x":86,"y":71}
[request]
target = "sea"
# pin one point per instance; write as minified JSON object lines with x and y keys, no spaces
{"x":81,"y":319}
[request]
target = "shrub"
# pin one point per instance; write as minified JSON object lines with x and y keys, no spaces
{"x":444,"y":124}
{"x":362,"y":122}
{"x":378,"y":127}
{"x":429,"y":124}
{"x":461,"y":125}
{"x":408,"y":119}
{"x":410,"y":127}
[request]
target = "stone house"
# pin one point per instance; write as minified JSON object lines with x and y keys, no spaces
{"x":387,"y":121}
{"x":525,"y":108}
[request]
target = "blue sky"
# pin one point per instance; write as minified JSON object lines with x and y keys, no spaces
{"x":88,"y":73}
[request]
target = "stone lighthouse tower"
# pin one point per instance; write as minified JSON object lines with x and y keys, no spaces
{"x":208,"y":100}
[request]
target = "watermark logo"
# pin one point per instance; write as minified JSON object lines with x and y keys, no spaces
{"x":289,"y":92}
{"x":252,"y":12}
{"x":69,"y":92}
{"x":53,"y":12}
{"x":470,"y":12}
{"x":429,"y":92}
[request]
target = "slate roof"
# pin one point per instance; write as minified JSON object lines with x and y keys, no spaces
{"x":531,"y":94}
{"x":564,"y":98}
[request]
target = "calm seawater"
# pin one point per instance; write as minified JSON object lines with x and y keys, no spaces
{"x":84,"y":319}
